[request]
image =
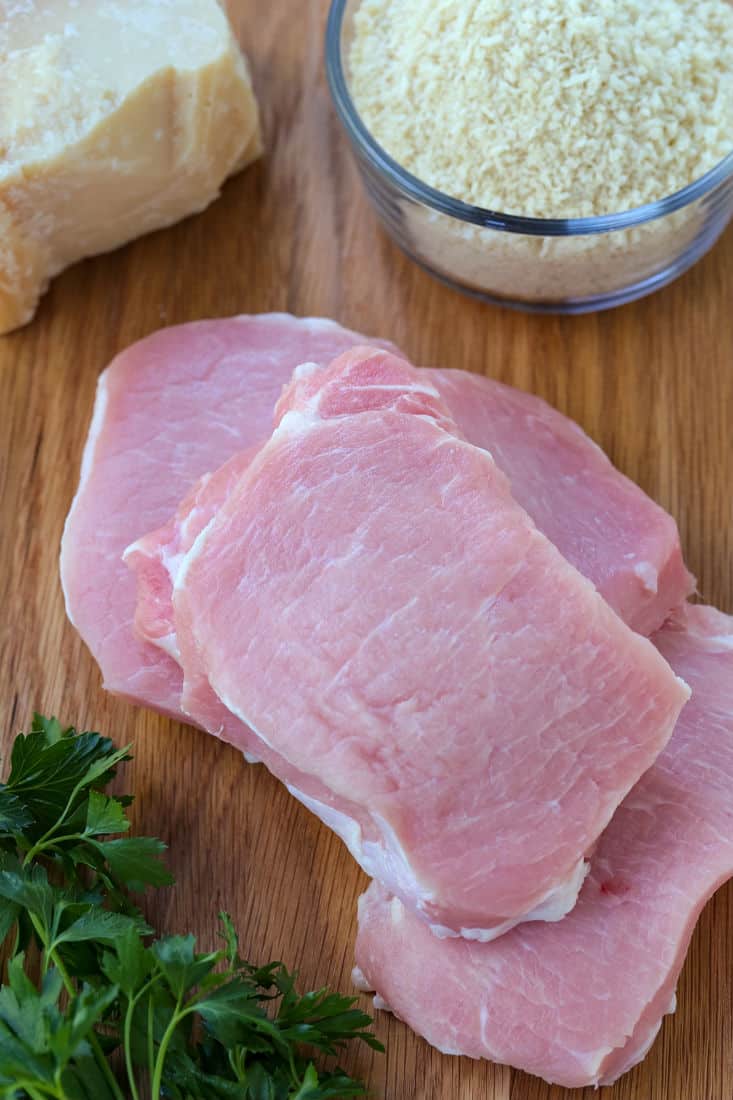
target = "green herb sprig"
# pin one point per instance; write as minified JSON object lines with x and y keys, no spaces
{"x":96,"y":1008}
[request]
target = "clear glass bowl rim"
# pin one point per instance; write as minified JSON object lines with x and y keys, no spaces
{"x":476,"y":215}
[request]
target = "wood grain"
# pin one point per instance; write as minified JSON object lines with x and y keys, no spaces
{"x":652,"y":382}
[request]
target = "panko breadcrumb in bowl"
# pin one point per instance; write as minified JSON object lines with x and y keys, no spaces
{"x":558,"y":156}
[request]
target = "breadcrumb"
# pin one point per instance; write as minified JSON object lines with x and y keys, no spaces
{"x":551,"y":108}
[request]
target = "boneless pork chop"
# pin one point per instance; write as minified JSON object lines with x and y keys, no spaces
{"x":169,"y":410}
{"x":375,"y":605}
{"x":580,"y":1002}
{"x":177,"y":405}
{"x":600,"y":520}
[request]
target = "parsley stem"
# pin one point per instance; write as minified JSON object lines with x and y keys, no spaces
{"x":151,"y":1038}
{"x":52,"y":954}
{"x":105,"y":1067}
{"x":41,"y":844}
{"x":163,"y":1049}
{"x":48,"y":955}
{"x":132,"y":1004}
{"x":51,"y":842}
{"x":37,"y":1091}
{"x":128,"y":1049}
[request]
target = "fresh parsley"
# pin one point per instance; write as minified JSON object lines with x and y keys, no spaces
{"x":96,"y":1008}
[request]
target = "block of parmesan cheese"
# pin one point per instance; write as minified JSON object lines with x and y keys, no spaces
{"x":117,"y":117}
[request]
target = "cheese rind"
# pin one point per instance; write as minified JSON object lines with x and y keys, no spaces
{"x":114,"y":120}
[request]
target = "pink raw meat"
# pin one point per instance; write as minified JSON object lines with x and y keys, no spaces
{"x":155,"y":558}
{"x":580,"y":1002}
{"x":373,"y":603}
{"x":600,"y":520}
{"x":169,"y":409}
{"x":177,"y":405}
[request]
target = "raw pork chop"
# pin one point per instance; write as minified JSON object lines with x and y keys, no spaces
{"x":627,"y":545}
{"x":169,"y":409}
{"x":372,"y":602}
{"x":177,"y":405}
{"x":600,"y":520}
{"x":581,"y":1002}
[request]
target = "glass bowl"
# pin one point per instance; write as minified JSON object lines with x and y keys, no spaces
{"x":547,"y":266}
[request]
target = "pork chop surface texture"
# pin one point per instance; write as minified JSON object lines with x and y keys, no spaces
{"x":169,"y":410}
{"x":580,"y":1002}
{"x":176,"y":406}
{"x":155,"y":558}
{"x":375,"y":605}
{"x":600,"y":520}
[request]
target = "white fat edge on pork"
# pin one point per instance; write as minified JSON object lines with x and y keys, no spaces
{"x":685,"y":620}
{"x":359,"y":979}
{"x":635,"y":1054}
{"x":296,"y":421}
{"x":314,"y":324}
{"x":170,"y":562}
{"x":282,"y":431}
{"x":383,"y":859}
{"x":386,"y":861}
{"x":553,"y":907}
{"x":99,"y":415}
{"x":648,"y":575}
{"x":168,"y":643}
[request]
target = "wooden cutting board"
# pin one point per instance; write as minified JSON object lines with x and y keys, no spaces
{"x":652,"y":383}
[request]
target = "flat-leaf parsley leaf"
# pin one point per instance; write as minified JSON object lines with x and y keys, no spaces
{"x":94,"y":1007}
